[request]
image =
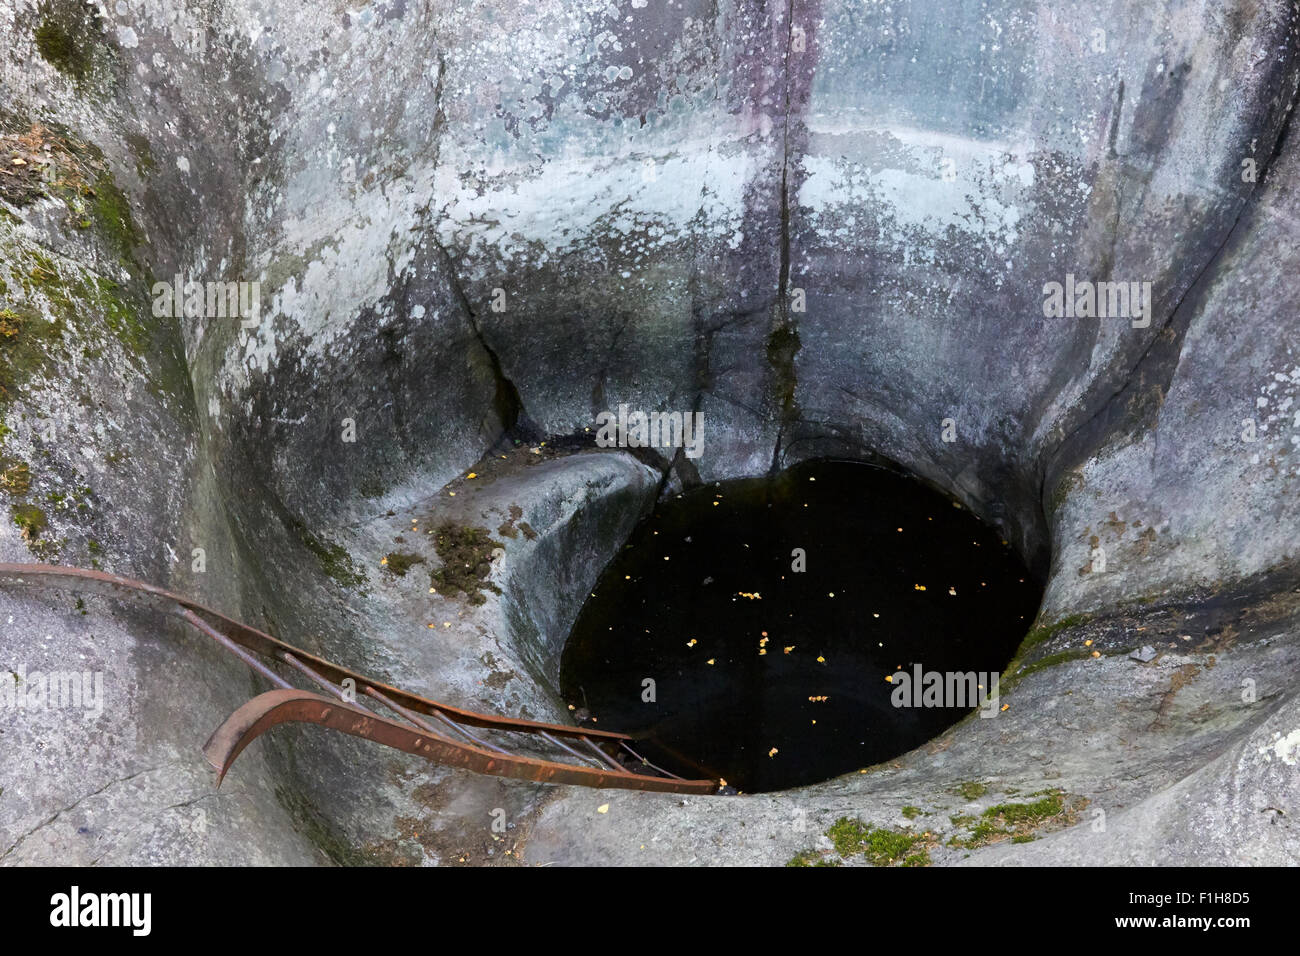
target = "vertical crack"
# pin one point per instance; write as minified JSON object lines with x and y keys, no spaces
{"x":783,"y":341}
{"x":506,"y":401}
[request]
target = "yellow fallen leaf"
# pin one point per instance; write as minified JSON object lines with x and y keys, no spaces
{"x":789,"y":649}
{"x":820,"y":659}
{"x":472,"y":474}
{"x":383,"y":560}
{"x":603,"y":808}
{"x":952,"y":591}
{"x":889,"y":679}
{"x":1087,"y":643}
{"x":710,"y":660}
{"x":691,"y":642}
{"x":1096,"y":653}
{"x":918,"y":587}
{"x":773,"y":752}
{"x":1006,"y":706}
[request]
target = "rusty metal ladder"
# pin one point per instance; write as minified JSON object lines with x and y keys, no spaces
{"x":445,"y":735}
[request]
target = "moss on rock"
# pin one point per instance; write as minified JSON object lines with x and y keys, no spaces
{"x":466,"y":554}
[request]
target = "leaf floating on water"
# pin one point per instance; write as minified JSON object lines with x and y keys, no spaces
{"x":818,"y":700}
{"x":691,"y":642}
{"x":787,"y":650}
{"x":773,"y":752}
{"x":710,"y":660}
{"x":752,"y":595}
{"x":820,"y":659}
{"x":918,"y":587}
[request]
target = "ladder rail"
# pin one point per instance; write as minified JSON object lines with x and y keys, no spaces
{"x":289,"y":704}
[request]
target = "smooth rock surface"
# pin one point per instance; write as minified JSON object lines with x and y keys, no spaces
{"x":826,"y":225}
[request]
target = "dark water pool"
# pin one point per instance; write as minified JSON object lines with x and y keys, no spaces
{"x":772,"y":677}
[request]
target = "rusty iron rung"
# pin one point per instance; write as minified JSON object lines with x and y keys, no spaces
{"x":666,"y":773}
{"x":202,"y":626}
{"x":567,"y":748}
{"x":606,"y":758}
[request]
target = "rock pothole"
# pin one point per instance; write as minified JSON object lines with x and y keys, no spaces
{"x":775,"y":632}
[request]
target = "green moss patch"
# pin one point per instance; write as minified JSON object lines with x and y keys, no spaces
{"x":880,"y":846}
{"x":811,"y":858}
{"x":1019,"y":821}
{"x":466,"y":554}
{"x":63,"y":49}
{"x":1046,"y":632}
{"x":15,"y":476}
{"x":334,"y":559}
{"x":1017,"y":670}
{"x":31,"y":521}
{"x":26,"y":344}
{"x":971,"y":789}
{"x":69,"y":39}
{"x":399,"y":562}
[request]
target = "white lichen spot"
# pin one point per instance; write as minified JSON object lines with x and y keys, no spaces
{"x":1285,"y":749}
